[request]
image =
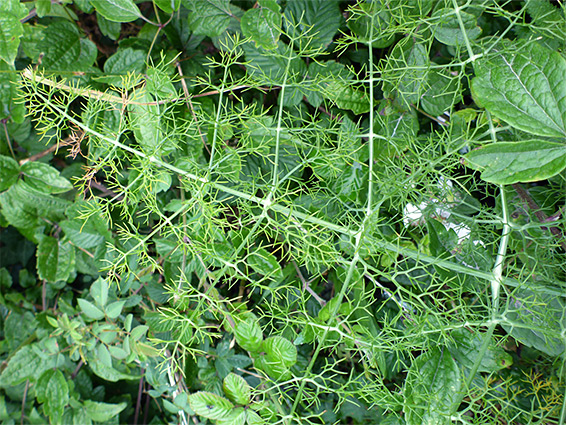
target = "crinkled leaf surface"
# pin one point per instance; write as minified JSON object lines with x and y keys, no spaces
{"x":263,"y":24}
{"x":209,"y":17}
{"x":209,"y":405}
{"x":448,"y":30}
{"x":432,"y":389}
{"x":512,"y":162}
{"x":524,"y":85}
{"x":319,"y":19}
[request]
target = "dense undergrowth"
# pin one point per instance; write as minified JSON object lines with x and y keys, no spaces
{"x":278,"y":212}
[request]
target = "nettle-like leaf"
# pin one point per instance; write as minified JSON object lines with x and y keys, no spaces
{"x":210,"y":17}
{"x":432,"y":388}
{"x":263,"y":24}
{"x":524,"y":85}
{"x":512,"y":162}
{"x":319,"y":19}
{"x":467,"y":345}
{"x":52,"y":390}
{"x":64,"y":49}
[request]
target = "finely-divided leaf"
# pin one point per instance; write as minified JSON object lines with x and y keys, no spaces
{"x":448,"y":31}
{"x":317,"y":21}
{"x":524,"y":85}
{"x":237,"y":389}
{"x":263,"y":24}
{"x":209,"y":405}
{"x":513,"y":162}
{"x":117,"y":10}
{"x":432,"y":389}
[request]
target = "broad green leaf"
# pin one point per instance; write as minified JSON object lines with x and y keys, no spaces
{"x":99,"y":291}
{"x":407,"y":10}
{"x":524,"y":85}
{"x":43,"y":7}
{"x":145,"y":121}
{"x":536,"y":319}
{"x":209,"y":17}
{"x":512,"y":162}
{"x":313,"y":22}
{"x":274,"y":67}
{"x":237,"y":416}
{"x":27,"y":363}
{"x":406,"y":72}
{"x":123,"y":62}
{"x":86,"y":227}
{"x":447,"y":28}
{"x":138,"y":332}
{"x":108,"y":28}
{"x":237,"y":389}
{"x":209,"y":405}
{"x":52,"y":390}
{"x":9,"y":94}
{"x":442,"y":92}
{"x":9,"y":172}
{"x":90,"y":310}
{"x":55,"y":259}
{"x":280,"y":355}
{"x":108,"y":373}
{"x":103,"y":412}
{"x":117,"y":10}
{"x":114,"y":309}
{"x":371,"y":23}
{"x":64,"y":50}
{"x":263,"y":24}
{"x":45,"y":178}
{"x":248,"y":334}
{"x":22,"y":205}
{"x":11,"y":29}
{"x":263,"y":262}
{"x":168,"y":6}
{"x":347,"y":97}
{"x":432,"y":389}
{"x":467,"y":346}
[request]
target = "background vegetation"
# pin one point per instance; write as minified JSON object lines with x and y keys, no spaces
{"x":277,"y":212}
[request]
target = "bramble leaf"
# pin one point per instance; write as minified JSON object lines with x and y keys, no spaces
{"x":237,"y":389}
{"x":209,"y":405}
